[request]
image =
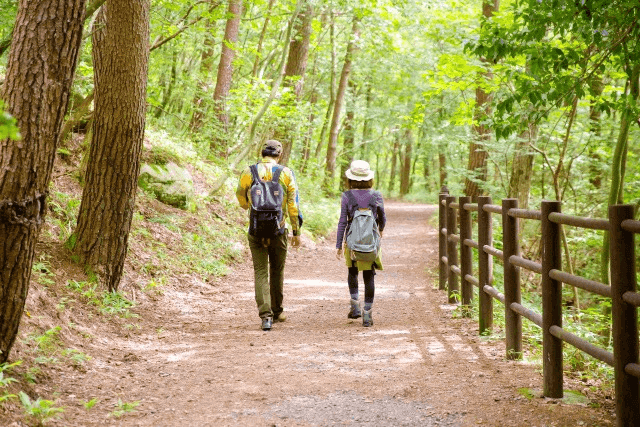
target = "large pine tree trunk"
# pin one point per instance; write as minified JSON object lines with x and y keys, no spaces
{"x":225,"y":69}
{"x":40,"y":68}
{"x":337,"y":108}
{"x":295,"y":70}
{"x":121,"y":58}
{"x":477,"y":165}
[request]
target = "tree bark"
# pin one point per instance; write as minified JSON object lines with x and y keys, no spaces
{"x":225,"y":69}
{"x":349,"y":139}
{"x":522,"y":168}
{"x":121,"y":59}
{"x":206,"y":65}
{"x":295,"y":70}
{"x":337,"y":109}
{"x":477,"y":165}
{"x":619,"y":161}
{"x":332,"y":87}
{"x":405,"y":177}
{"x":265,"y":25}
{"x":40,"y":69}
{"x":394,"y":162}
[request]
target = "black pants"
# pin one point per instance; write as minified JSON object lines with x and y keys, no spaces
{"x":369,"y":285}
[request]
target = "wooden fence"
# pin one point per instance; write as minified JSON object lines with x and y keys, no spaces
{"x":456,"y":277}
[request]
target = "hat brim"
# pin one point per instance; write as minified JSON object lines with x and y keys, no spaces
{"x":353,"y":177}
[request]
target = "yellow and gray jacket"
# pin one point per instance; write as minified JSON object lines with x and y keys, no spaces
{"x":290,"y":201}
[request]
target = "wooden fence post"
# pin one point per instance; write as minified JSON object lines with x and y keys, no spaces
{"x":485,"y":266}
{"x":510,"y":246}
{"x":442,"y":241}
{"x":466,"y":256}
{"x":453,"y":287}
{"x":551,"y":302}
{"x":624,"y":316}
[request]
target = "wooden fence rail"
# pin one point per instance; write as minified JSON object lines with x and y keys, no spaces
{"x":457,"y":279}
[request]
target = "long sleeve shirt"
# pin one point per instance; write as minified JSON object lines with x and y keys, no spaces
{"x":362,"y":196}
{"x":290,"y":201}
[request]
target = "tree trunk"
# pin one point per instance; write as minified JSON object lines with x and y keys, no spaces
{"x":367,"y":127}
{"x":349,"y":137}
{"x":225,"y":70}
{"x":522,"y":168}
{"x":206,"y":65}
{"x":595,"y":169}
{"x":265,"y":25}
{"x":337,"y":109}
{"x":295,"y":69}
{"x":40,"y":69}
{"x":477,"y":165}
{"x":394,"y":162}
{"x":121,"y":58}
{"x":405,"y":177}
{"x":166,"y":96}
{"x":619,"y":161}
{"x":332,"y":87}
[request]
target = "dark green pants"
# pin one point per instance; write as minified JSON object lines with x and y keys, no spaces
{"x":268,"y":269}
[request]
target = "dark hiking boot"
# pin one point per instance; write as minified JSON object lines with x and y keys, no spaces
{"x":354,"y":311}
{"x":266,"y":324}
{"x":367,"y":318}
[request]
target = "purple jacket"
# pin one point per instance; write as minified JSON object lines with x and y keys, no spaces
{"x":362,"y":197}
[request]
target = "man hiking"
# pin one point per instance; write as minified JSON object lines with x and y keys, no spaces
{"x":270,"y":192}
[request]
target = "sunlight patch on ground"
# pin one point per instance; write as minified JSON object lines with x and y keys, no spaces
{"x":383,"y":332}
{"x":180,"y":356}
{"x":321,"y":283}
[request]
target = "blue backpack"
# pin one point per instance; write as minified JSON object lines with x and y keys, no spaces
{"x":363,"y":236}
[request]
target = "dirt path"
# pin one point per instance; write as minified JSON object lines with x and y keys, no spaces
{"x":205,"y":362}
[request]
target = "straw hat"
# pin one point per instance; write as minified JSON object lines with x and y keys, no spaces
{"x":359,"y":171}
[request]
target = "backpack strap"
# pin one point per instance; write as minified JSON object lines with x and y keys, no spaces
{"x":276,"y":174}
{"x":254,"y":173}
{"x":352,"y":204}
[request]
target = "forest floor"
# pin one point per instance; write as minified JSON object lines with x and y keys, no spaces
{"x":199,"y":358}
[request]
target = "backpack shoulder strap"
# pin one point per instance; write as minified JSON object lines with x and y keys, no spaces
{"x":352,"y":203}
{"x":373,"y":195}
{"x":276,"y":174}
{"x":254,"y":173}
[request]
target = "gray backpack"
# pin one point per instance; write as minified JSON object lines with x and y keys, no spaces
{"x":363,"y":236}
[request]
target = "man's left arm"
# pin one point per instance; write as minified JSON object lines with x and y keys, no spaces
{"x":293,"y":202}
{"x":243,"y":186}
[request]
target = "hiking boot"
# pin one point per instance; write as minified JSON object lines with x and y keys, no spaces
{"x":367,"y":319}
{"x":266,"y":324}
{"x":280,"y":317}
{"x":354,"y":311}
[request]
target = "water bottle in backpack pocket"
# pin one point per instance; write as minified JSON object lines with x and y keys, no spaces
{"x":363,"y":236}
{"x":266,"y":218}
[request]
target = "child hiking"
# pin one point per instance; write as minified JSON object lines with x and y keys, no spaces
{"x":362,"y":221}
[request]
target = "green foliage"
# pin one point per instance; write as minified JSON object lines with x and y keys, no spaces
{"x":64,"y":215}
{"x":6,"y":381}
{"x":39,"y":410}
{"x":8,"y":126}
{"x":41,"y":270}
{"x":108,"y":303}
{"x":90,"y":403}
{"x":123,"y":408}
